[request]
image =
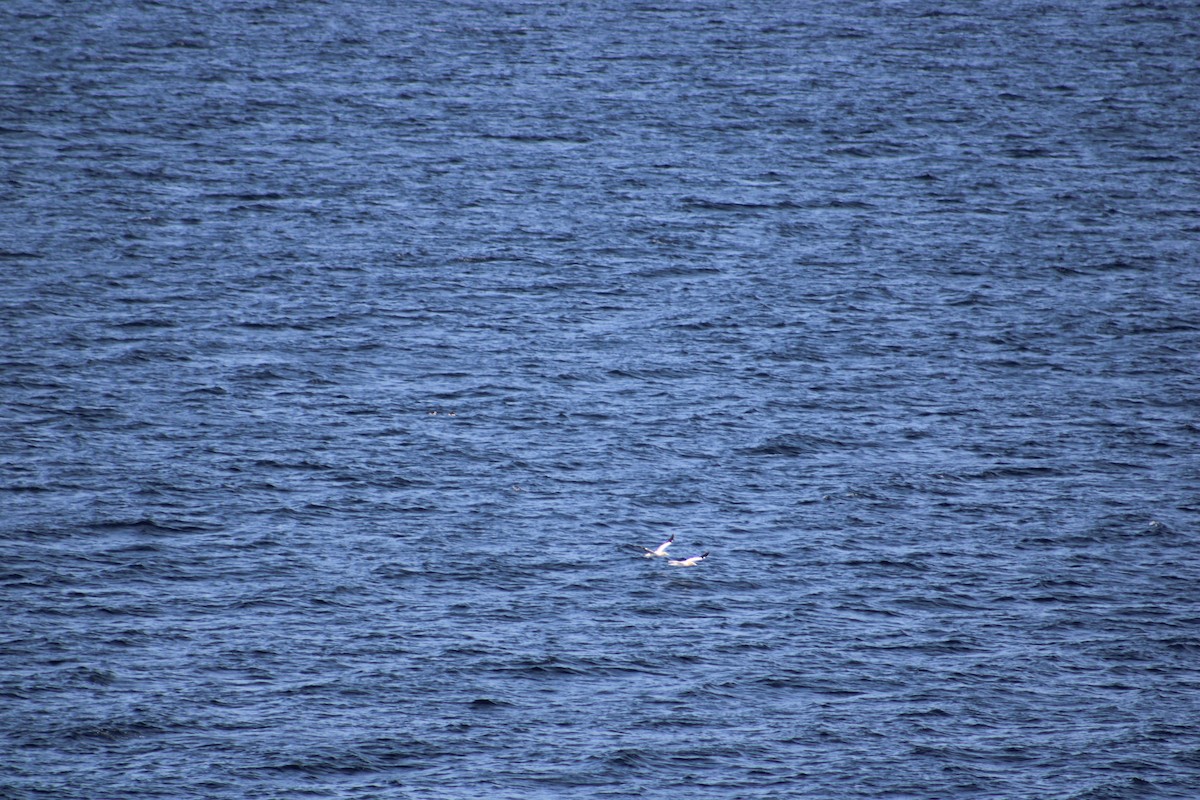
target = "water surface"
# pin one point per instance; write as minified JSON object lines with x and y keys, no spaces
{"x":352,"y":351}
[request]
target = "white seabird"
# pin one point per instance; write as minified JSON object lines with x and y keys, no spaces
{"x":660,"y":551}
{"x":687,"y":562}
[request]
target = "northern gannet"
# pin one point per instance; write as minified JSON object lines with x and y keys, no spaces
{"x":660,"y":551}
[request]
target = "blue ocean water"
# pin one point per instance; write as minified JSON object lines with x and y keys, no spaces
{"x":352,"y":351}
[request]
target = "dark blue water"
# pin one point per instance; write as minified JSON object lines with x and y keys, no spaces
{"x":351,"y":351}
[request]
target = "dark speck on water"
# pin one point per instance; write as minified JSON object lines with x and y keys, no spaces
{"x":351,"y":352}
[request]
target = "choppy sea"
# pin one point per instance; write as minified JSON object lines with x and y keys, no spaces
{"x":351,"y":352}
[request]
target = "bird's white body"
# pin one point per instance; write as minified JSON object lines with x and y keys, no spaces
{"x":687,"y":562}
